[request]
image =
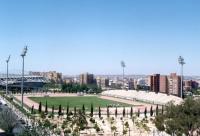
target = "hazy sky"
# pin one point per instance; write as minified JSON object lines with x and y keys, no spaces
{"x":75,"y":36}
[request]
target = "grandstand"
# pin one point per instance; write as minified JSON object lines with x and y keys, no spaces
{"x":29,"y":81}
{"x":143,"y":96}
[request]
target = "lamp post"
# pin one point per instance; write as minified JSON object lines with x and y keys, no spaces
{"x":123,"y":65}
{"x":181,"y":62}
{"x":22,"y":82}
{"x":7,"y":61}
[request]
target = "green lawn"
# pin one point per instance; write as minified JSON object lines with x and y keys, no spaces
{"x":77,"y":101}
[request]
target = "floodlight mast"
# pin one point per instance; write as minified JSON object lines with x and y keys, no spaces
{"x":123,"y":65}
{"x":7,"y":61}
{"x":22,"y":80}
{"x":181,"y":62}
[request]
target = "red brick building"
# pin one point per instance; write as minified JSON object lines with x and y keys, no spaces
{"x":163,"y":84}
{"x":155,"y":83}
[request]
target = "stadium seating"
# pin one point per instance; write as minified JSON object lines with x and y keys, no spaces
{"x":144,"y":96}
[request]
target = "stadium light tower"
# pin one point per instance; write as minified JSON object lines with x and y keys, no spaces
{"x":181,"y":62}
{"x":7,"y":61}
{"x":22,"y":82}
{"x":123,"y":65}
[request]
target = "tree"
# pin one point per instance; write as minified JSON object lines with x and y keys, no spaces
{"x":162,"y":109}
{"x":52,"y":110}
{"x":46,"y":108}
{"x":92,"y":110}
{"x":183,"y":119}
{"x":67,"y":109}
{"x":47,"y":123}
{"x":60,"y":110}
{"x":75,"y":111}
{"x":35,"y":130}
{"x":151,"y":111}
{"x":32,"y":109}
{"x":113,"y":129}
{"x":83,"y":109}
{"x":108,"y":112}
{"x":159,"y":123}
{"x":8,"y":120}
{"x":73,"y":87}
{"x":124,"y":112}
{"x":40,"y":107}
{"x":99,"y":112}
{"x":138,"y":114}
{"x":116,"y":112}
{"x":157,"y":110}
{"x":131,"y":112}
{"x":80,"y":121}
{"x":145,"y":112}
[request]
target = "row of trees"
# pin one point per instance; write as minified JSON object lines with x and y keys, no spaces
{"x":68,"y":112}
{"x":75,"y":87}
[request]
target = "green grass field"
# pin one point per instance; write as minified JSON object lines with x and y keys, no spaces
{"x":77,"y":101}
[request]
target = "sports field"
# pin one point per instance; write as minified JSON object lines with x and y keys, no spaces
{"x":77,"y":101}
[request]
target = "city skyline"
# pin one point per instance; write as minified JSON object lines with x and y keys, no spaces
{"x":75,"y":37}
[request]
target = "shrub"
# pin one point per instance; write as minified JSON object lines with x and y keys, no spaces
{"x":58,"y":131}
{"x":126,"y":125}
{"x":124,"y":132}
{"x":47,"y":123}
{"x":113,"y":128}
{"x":67,"y":131}
{"x":42,"y":115}
{"x":96,"y":127}
{"x":92,"y":120}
